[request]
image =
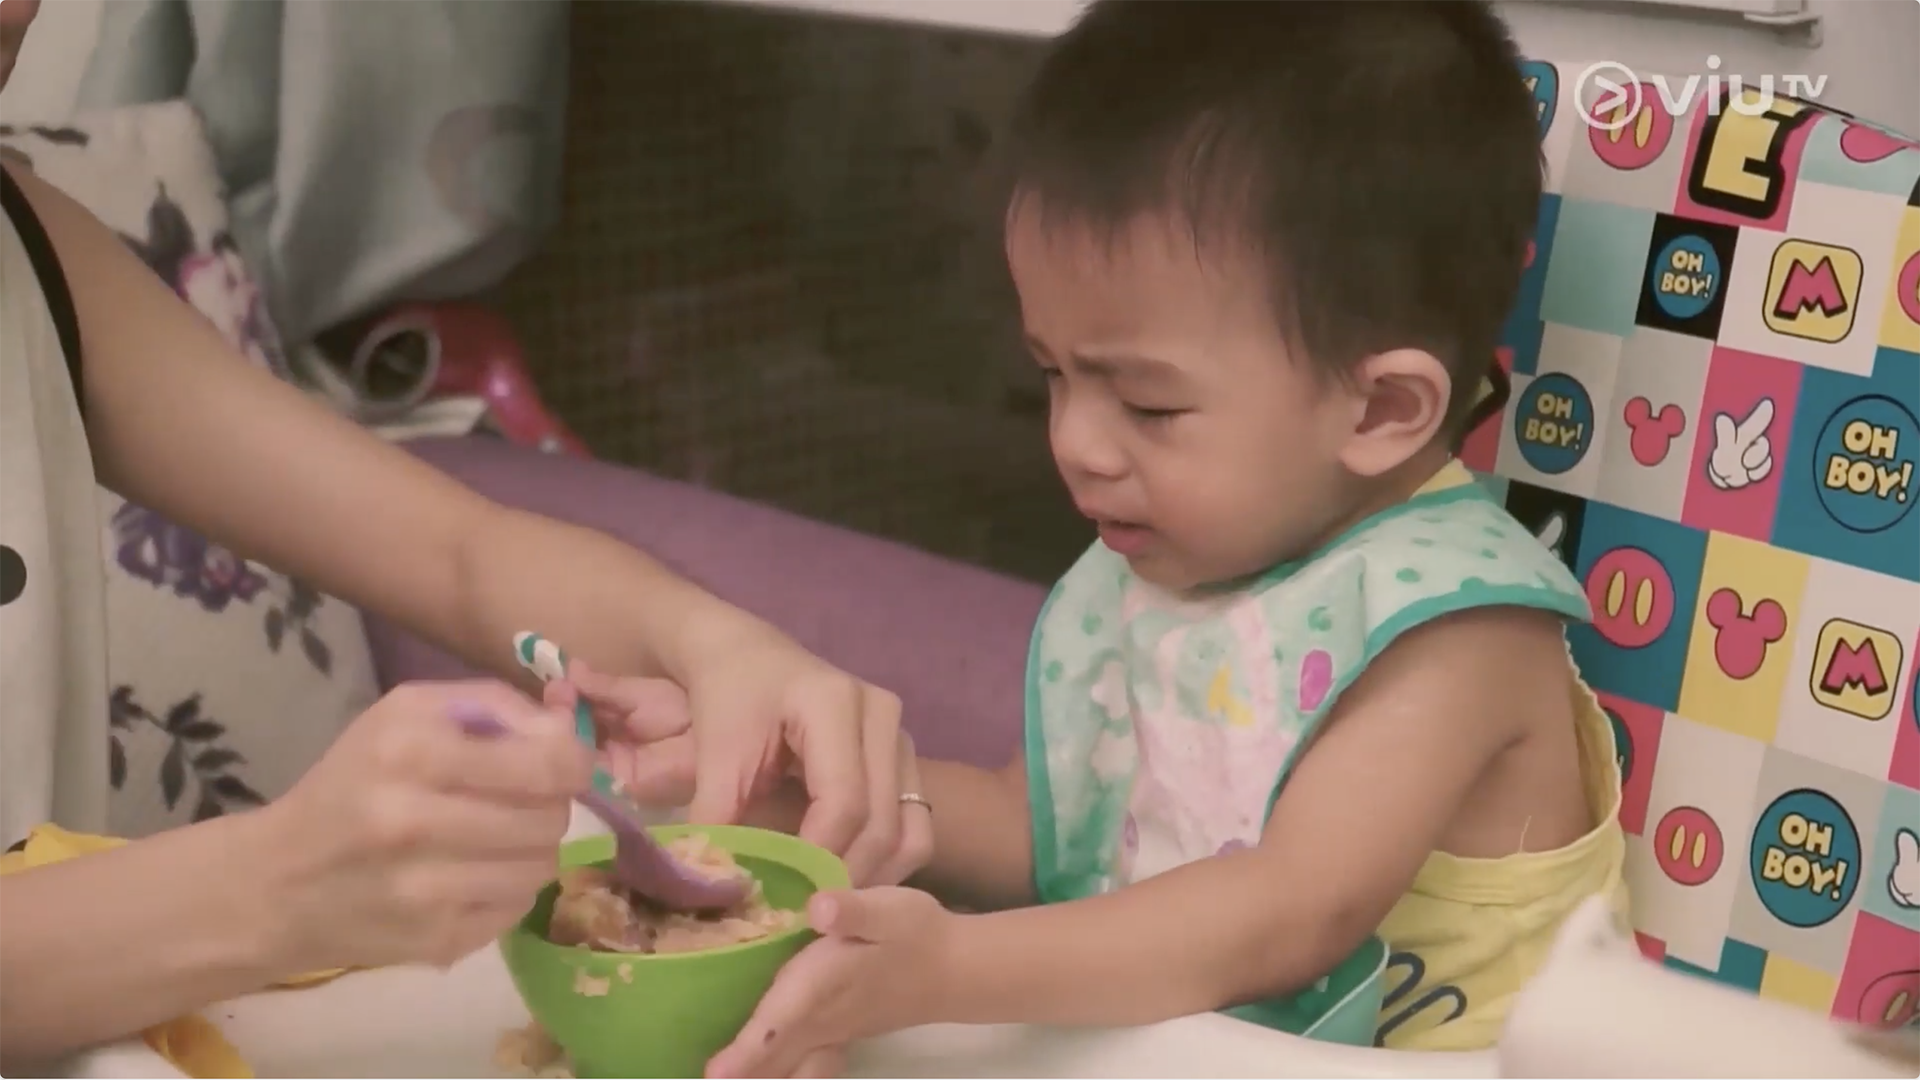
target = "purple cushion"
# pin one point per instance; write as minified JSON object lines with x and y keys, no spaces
{"x":950,"y":639}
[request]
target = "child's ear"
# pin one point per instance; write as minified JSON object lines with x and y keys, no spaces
{"x":1401,"y":400}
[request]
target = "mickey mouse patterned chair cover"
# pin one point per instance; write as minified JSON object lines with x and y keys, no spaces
{"x":1716,"y":375}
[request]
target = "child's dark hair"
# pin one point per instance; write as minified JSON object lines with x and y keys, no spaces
{"x":1381,"y":156}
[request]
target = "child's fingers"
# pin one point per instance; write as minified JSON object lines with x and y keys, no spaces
{"x":786,"y":1027}
{"x":773,"y":1053}
{"x":879,"y":914}
{"x":826,"y":1062}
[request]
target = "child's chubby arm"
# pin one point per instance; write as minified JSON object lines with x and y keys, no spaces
{"x":982,"y":835}
{"x":1366,"y":805}
{"x":1362,"y":811}
{"x":180,"y":422}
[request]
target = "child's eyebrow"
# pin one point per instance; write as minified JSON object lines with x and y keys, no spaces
{"x":1113,"y":363}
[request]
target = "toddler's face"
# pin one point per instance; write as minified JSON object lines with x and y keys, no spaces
{"x":1182,"y":427}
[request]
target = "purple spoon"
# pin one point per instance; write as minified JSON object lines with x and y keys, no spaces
{"x":640,"y":863}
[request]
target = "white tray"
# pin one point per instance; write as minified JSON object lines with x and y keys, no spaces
{"x":416,"y":1022}
{"x":423,"y":1022}
{"x":1596,"y":1010}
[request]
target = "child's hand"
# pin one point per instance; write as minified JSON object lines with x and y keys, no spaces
{"x":876,"y":968}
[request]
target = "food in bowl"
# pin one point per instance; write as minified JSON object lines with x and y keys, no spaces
{"x":660,"y":1014}
{"x":594,"y":911}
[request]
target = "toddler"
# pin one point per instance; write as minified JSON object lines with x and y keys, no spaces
{"x":1311,"y":684}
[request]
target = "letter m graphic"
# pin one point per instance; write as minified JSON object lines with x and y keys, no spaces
{"x":1811,"y":288}
{"x":1856,"y":667}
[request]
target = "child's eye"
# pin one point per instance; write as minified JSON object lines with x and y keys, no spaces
{"x":1049,"y":373}
{"x":1140,"y":412}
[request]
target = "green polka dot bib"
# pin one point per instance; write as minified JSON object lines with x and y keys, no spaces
{"x":1160,"y":729}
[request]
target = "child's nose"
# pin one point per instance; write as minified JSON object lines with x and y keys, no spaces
{"x":1083,"y":446}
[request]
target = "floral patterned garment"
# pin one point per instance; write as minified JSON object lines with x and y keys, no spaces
{"x":52,"y":611}
{"x":226,"y":679}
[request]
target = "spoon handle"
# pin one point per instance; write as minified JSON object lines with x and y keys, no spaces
{"x":545,"y":660}
{"x":640,"y":862}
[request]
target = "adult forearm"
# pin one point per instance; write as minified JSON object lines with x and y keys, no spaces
{"x":604,"y":601}
{"x":103,"y":946}
{"x":180,"y":422}
{"x":982,"y":837}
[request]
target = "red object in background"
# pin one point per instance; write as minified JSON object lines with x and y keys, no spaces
{"x":422,"y":351}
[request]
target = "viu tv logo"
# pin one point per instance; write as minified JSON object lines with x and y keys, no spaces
{"x":1611,"y":96}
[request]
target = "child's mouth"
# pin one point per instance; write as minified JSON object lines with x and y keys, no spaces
{"x":1124,"y":539}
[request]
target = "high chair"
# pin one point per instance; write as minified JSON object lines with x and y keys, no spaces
{"x":1598,"y":1009}
{"x":1716,"y":374}
{"x":1715,"y":369}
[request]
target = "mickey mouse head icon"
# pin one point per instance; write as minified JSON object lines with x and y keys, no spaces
{"x":1653,"y":429}
{"x":1741,"y":638}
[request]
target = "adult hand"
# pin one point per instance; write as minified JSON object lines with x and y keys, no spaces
{"x":643,"y":728}
{"x":653,"y":744}
{"x":414,"y":842}
{"x":764,"y":708}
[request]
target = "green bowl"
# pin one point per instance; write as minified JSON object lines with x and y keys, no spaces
{"x":672,"y":1012}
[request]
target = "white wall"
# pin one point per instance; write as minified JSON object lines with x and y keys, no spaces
{"x":52,"y":60}
{"x":1871,"y":51}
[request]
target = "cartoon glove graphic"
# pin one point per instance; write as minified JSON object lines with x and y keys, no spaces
{"x":1552,"y":532}
{"x":1742,"y":453}
{"x":1903,"y":882}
